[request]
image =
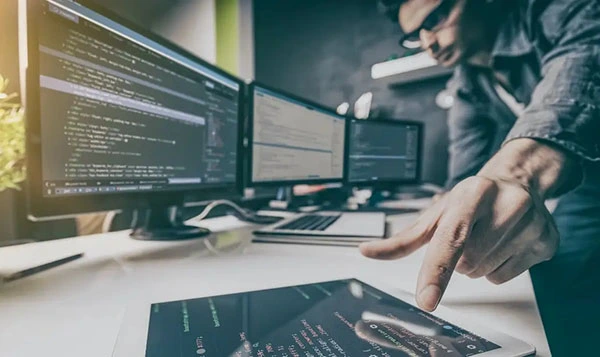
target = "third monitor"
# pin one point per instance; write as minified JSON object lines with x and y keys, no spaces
{"x":383,"y":152}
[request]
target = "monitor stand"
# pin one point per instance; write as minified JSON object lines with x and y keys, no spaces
{"x":327,"y":199}
{"x":311,"y":202}
{"x":160,"y":223}
{"x":380,"y":194}
{"x":287,"y":201}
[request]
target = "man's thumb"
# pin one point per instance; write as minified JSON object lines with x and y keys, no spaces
{"x":398,"y":246}
{"x":407,"y":241}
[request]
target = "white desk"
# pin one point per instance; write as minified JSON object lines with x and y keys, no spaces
{"x":76,"y":309}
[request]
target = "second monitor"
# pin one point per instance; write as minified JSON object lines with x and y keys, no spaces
{"x":293,"y":141}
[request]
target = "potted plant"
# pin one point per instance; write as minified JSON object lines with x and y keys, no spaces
{"x":12,"y":159}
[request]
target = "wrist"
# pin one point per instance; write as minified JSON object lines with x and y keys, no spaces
{"x":534,"y":165}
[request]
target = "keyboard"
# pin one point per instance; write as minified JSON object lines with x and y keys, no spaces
{"x":311,"y":222}
{"x":329,"y":225}
{"x":387,"y":210}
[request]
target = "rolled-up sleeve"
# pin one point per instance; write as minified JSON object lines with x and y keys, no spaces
{"x":565,"y":106}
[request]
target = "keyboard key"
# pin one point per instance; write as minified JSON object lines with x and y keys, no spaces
{"x":311,"y":222}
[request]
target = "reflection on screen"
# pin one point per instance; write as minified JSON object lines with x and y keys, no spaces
{"x":339,"y":318}
{"x":293,"y":141}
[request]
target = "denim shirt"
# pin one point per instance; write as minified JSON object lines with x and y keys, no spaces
{"x":549,"y":50}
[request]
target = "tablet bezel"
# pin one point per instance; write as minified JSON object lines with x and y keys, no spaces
{"x":132,"y":337}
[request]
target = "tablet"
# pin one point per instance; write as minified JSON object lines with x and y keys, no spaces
{"x":335,"y":318}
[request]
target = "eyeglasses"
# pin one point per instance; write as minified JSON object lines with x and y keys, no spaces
{"x":435,"y":18}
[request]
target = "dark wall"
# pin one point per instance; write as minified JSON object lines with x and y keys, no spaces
{"x":143,"y":13}
{"x":324,"y":49}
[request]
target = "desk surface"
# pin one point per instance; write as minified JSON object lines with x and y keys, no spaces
{"x":77,"y":309}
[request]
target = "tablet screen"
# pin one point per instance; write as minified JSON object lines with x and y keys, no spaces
{"x":338,"y":318}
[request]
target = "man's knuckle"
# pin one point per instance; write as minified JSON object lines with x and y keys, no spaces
{"x":500,"y":277}
{"x":458,"y":236}
{"x":548,"y":250}
{"x":465,"y":265}
{"x":454,"y":244}
{"x":545,"y":246}
{"x":495,"y":279}
{"x":475,"y":274}
{"x":443,"y":272}
{"x":539,"y":248}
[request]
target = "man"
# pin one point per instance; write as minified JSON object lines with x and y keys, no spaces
{"x":525,"y":127}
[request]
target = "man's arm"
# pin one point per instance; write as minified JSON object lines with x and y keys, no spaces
{"x":536,"y":166}
{"x":565,"y":106}
{"x":495,"y":224}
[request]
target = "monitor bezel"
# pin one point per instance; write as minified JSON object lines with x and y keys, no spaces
{"x":41,"y":207}
{"x":250,"y":136}
{"x":385,"y":182}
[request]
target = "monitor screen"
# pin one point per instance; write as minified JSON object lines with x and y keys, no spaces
{"x":294,"y":141}
{"x":121,"y":113}
{"x":383,"y":151}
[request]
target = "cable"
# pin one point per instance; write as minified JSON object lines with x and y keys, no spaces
{"x":239,"y":212}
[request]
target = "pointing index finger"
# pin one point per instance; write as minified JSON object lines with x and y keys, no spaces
{"x":446,"y":246}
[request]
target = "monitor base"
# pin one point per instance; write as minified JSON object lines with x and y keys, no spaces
{"x":164,"y":224}
{"x":170,"y":234}
{"x":378,"y":196}
{"x":321,"y":199}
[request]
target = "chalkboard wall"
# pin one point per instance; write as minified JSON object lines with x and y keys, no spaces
{"x":323,"y":50}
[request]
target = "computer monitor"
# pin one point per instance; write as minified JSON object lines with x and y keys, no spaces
{"x":383,"y":152}
{"x":118,"y":117}
{"x":292,"y":140}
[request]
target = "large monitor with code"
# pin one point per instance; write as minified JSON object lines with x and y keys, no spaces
{"x":117,"y":114}
{"x":383,"y":151}
{"x":293,"y":140}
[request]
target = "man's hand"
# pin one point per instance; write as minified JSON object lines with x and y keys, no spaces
{"x":494,"y":224}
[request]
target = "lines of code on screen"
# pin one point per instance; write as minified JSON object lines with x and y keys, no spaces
{"x":339,"y":318}
{"x":119,"y":115}
{"x":382,"y":151}
{"x":293,"y":141}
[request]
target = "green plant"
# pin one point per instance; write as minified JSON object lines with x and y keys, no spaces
{"x":12,"y":140}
